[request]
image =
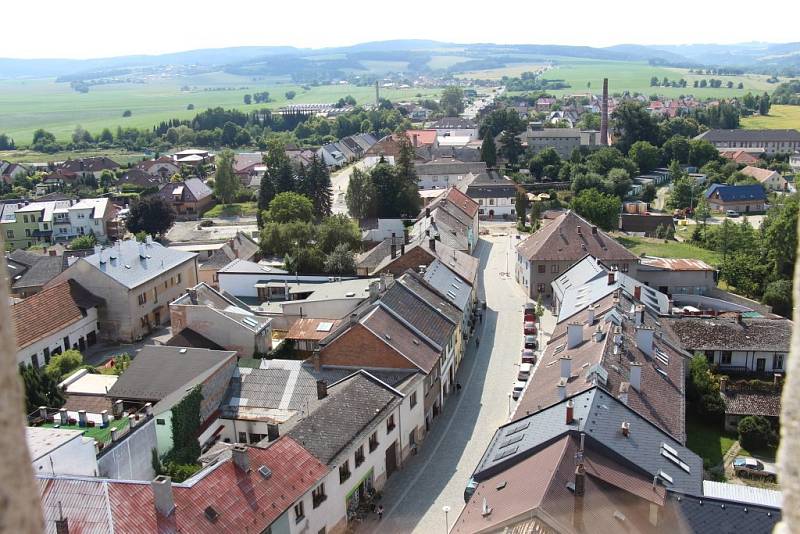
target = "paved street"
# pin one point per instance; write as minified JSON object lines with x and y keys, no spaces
{"x":414,"y":497}
{"x":340,"y":180}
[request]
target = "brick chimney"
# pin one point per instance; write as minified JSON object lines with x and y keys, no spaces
{"x":322,"y":389}
{"x":570,"y":412}
{"x":580,"y":480}
{"x":162,"y":495}
{"x":240,"y":458}
{"x":604,"y":115}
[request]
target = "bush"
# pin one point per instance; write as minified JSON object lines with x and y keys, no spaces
{"x":62,"y":364}
{"x":778,"y":294}
{"x":83,"y":242}
{"x":755,"y":432}
{"x":205,"y":223}
{"x":712,"y":405}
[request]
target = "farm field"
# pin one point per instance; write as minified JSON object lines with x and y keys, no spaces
{"x":27,"y":104}
{"x":121,"y":156}
{"x":779,"y":117}
{"x":512,"y":70}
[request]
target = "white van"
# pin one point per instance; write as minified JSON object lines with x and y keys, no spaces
{"x":517,"y":391}
{"x":525,"y":370}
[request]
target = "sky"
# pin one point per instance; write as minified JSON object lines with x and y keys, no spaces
{"x":106,"y":28}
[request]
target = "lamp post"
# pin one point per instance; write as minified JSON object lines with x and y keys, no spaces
{"x":509,"y":405}
{"x":446,"y":510}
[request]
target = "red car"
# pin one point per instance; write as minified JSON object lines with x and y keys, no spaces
{"x":530,"y":312}
{"x":528,"y":356}
{"x":530,"y":328}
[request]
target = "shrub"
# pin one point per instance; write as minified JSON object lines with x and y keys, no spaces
{"x":778,"y":294}
{"x":63,"y":364}
{"x":205,"y":223}
{"x":755,"y":432}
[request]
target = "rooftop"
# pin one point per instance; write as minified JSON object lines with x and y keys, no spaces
{"x":42,"y":440}
{"x":311,"y":329}
{"x":726,"y":333}
{"x":673,"y":264}
{"x":750,"y":135}
{"x":132,"y":263}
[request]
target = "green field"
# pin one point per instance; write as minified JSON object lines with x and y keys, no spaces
{"x":232,"y":210}
{"x":121,"y":156}
{"x":779,"y":117}
{"x":668,"y":249}
{"x":635,"y":77}
{"x":26,"y":105}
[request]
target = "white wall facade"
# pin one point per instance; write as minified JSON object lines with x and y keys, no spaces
{"x":225,"y":330}
{"x":44,"y":348}
{"x":75,"y":457}
{"x":774,"y":361}
{"x":244,"y":284}
{"x":443,"y":181}
{"x":498,"y":206}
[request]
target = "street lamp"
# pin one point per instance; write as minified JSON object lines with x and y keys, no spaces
{"x":509,"y":404}
{"x":446,"y":510}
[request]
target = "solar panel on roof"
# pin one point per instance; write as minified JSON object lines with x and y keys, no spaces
{"x":512,"y":440}
{"x":520,"y":427}
{"x":506,"y":453}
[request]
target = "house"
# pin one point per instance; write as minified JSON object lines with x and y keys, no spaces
{"x":259,"y":281}
{"x":240,"y":246}
{"x":463,"y":154}
{"x":162,"y":168}
{"x":495,"y":195}
{"x":451,"y":218}
{"x":423,"y":138}
{"x":61,"y":317}
{"x":222,"y":319}
{"x":363,"y":431}
{"x":544,"y":103}
{"x":86,"y":167}
{"x":138,"y":178}
{"x":193,"y":157}
{"x":741,"y":156}
{"x":735,"y":344}
{"x":543,"y":256}
{"x":136,"y":281}
{"x":248,"y":165}
{"x":794,"y":161}
{"x":332,"y":155}
{"x":61,"y":451}
{"x":164,"y":376}
{"x":771,"y":141}
{"x":444,"y":174}
{"x":745,"y":398}
{"x":9,"y":172}
{"x":455,"y":130}
{"x":306,"y":333}
{"x":423,"y":252}
{"x":563,"y":140}
{"x":189,"y":198}
{"x":739,"y":198}
{"x":46,"y":267}
{"x":374,"y":231}
{"x":330,"y":300}
{"x":646,"y":224}
{"x":266,"y":489}
{"x":771,"y":180}
{"x":677,"y":276}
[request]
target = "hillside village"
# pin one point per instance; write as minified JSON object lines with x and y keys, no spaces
{"x":524,"y":313}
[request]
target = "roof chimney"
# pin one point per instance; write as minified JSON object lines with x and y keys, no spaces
{"x":393,"y":248}
{"x":427,"y":211}
{"x":574,"y":335}
{"x":240,"y":457}
{"x":579,"y":229}
{"x":625,"y":427}
{"x":322,"y":389}
{"x":570,"y":412}
{"x":611,"y":277}
{"x":162,"y":495}
{"x":566,"y":367}
{"x":636,"y":376}
{"x":590,"y":315}
{"x":580,"y":480}
{"x":623,"y":392}
{"x":315,"y":356}
{"x":594,"y":229}
{"x":644,"y":339}
{"x":639,"y":314}
{"x":637,"y":293}
{"x":402,"y":249}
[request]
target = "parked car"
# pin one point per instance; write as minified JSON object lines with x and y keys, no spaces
{"x":531,"y":343}
{"x":530,"y":328}
{"x":517,"y":391}
{"x":528,"y":356}
{"x":525,"y":371}
{"x":750,"y":467}
{"x":731,"y":213}
{"x":530,"y":312}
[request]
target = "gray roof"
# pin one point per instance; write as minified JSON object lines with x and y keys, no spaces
{"x":703,"y":514}
{"x":25,"y":257}
{"x":239,"y":266}
{"x":193,"y":190}
{"x":491,"y":184}
{"x":124,"y":263}
{"x":158,"y":371}
{"x":448,"y":283}
{"x":554,"y":132}
{"x":726,"y":333}
{"x":453,"y":122}
{"x":350,"y":412}
{"x":432,"y":296}
{"x":41,"y":272}
{"x":715,"y":136}
{"x":599,"y":415}
{"x":411,"y":309}
{"x":449,"y":167}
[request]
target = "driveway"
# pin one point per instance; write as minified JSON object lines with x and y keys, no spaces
{"x":414,"y":497}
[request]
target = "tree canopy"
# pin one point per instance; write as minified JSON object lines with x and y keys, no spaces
{"x":152,"y":215}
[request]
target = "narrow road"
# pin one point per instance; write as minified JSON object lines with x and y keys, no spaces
{"x":340,"y":180}
{"x":414,"y":498}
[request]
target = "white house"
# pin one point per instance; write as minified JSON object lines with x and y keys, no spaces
{"x":247,"y":279}
{"x":59,"y":318}
{"x":455,"y":127}
{"x":495,"y":195}
{"x":771,"y":180}
{"x":443,"y":174}
{"x":61,"y":451}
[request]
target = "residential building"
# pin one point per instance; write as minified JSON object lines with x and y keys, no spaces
{"x":45,"y":268}
{"x":463,"y":154}
{"x":163,"y":167}
{"x":646,"y":224}
{"x":193,"y":157}
{"x":495,"y":195}
{"x":376,"y":230}
{"x":164,"y":376}
{"x":744,"y":399}
{"x":739,"y":198}
{"x":455,"y":131}
{"x":771,"y":180}
{"x":61,"y":317}
{"x":259,"y":282}
{"x":213,"y":257}
{"x":26,"y":224}
{"x":452,"y":219}
{"x":329,"y":300}
{"x":397,"y":260}
{"x":771,"y":141}
{"x":86,"y":167}
{"x":11,"y":171}
{"x":189,"y":198}
{"x":794,"y":161}
{"x":306,"y":333}
{"x":248,"y":166}
{"x":61,"y":451}
{"x":272,"y":489}
{"x":222,"y":319}
{"x":677,"y":276}
{"x":139,"y":179}
{"x":563,"y":140}
{"x":136,"y":281}
{"x":735,"y":344}
{"x":444,"y":174}
{"x":333,"y":155}
{"x":742,"y":156}
{"x":543,"y":256}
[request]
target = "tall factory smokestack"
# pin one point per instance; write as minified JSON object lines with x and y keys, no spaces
{"x":604,"y":114}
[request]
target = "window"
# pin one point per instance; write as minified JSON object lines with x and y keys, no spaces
{"x":66,"y":342}
{"x":709,"y":356}
{"x":491,"y":202}
{"x":344,"y":471}
{"x":390,"y":423}
{"x":299,"y":513}
{"x":142,"y":299}
{"x":554,"y":268}
{"x":161,"y":422}
{"x":155,"y":294}
{"x":726,"y":357}
{"x":242,"y":437}
{"x":35,"y":361}
{"x":318,"y":495}
{"x":45,"y":226}
{"x":47,"y":356}
{"x":777,"y":361}
{"x":542,"y":268}
{"x":359,"y":455}
{"x":540,"y":288}
{"x":413,"y":399}
{"x":27,"y":232}
{"x":624,"y":268}
{"x":10,"y":234}
{"x":179,"y":278}
{"x":373,"y":441}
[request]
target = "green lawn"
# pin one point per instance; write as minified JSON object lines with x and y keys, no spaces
{"x":707,"y":440}
{"x":97,"y":433}
{"x":669,"y":249}
{"x":233,"y":210}
{"x":28,"y":104}
{"x":779,"y":117}
{"x":121,"y":156}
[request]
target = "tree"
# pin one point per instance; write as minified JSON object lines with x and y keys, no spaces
{"x":290,"y":95}
{"x":266,"y":192}
{"x":152,"y":215}
{"x":62,"y":364}
{"x":778,"y":294}
{"x":701,"y":152}
{"x":683,"y":193}
{"x":489,"y":151}
{"x":604,"y":159}
{"x":648,"y":193}
{"x":763,"y":104}
{"x":83,"y":242}
{"x":230,"y":131}
{"x":452,"y":101}
{"x":337,"y":230}
{"x":546,"y":160}
{"x":599,"y":208}
{"x":289,"y":206}
{"x":7,"y":143}
{"x":226,"y":184}
{"x":40,"y":389}
{"x":360,"y":195}
{"x":703,"y":210}
{"x":521,"y":205}
{"x":341,"y":260}
{"x":248,"y":99}
{"x":106,"y":178}
{"x":676,"y":148}
{"x":308,"y":260}
{"x":755,"y":432}
{"x":43,"y":137}
{"x":318,"y":187}
{"x":618,"y":182}
{"x":645,"y":155}
{"x":510,"y":146}
{"x":127,"y":113}
{"x":634,"y":123}
{"x":779,"y":231}
{"x":80,"y":136}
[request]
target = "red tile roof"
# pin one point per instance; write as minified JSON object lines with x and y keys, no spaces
{"x":464,"y":203}
{"x":424,"y":137}
{"x":49,"y":311}
{"x":308,"y":329}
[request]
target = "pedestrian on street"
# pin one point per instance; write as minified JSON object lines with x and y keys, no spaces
{"x":380,"y":512}
{"x":477,"y":342}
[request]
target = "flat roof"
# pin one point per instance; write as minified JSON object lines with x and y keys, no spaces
{"x":92,"y":384}
{"x":333,"y":290}
{"x":742,"y":493}
{"x":199,"y":247}
{"x":42,"y":440}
